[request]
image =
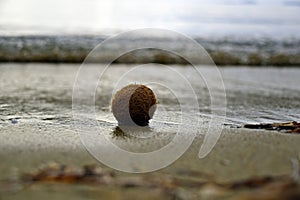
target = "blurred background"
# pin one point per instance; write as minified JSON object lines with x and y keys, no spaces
{"x":234,"y":32}
{"x":265,"y":18}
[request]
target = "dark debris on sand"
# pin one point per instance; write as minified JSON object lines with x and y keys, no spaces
{"x":61,"y":173}
{"x":288,"y":127}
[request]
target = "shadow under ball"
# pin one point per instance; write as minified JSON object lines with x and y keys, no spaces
{"x":134,"y":105}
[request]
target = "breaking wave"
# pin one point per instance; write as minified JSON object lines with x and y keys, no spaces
{"x":224,"y":51}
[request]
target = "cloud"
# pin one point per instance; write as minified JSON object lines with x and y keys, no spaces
{"x":291,"y":3}
{"x":238,"y":2}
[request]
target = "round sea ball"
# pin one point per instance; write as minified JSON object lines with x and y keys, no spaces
{"x":134,"y":104}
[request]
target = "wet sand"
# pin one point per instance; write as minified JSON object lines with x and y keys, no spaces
{"x":238,"y":155}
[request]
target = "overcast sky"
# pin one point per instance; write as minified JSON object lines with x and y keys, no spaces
{"x":195,"y":17}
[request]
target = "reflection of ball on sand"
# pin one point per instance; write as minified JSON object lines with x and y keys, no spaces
{"x":134,"y":104}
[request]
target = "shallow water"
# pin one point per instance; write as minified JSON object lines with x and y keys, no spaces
{"x":43,"y":93}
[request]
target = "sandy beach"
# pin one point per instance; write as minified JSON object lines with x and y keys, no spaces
{"x":238,"y":155}
{"x":37,"y":129}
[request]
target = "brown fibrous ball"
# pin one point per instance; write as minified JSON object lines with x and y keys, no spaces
{"x":134,"y":104}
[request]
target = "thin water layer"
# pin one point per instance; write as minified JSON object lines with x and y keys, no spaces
{"x":43,"y":92}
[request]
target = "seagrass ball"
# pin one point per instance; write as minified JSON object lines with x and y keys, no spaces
{"x":134,"y":104}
